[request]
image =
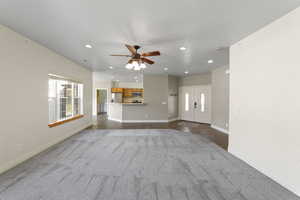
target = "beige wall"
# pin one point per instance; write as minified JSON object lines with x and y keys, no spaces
{"x":199,"y":79}
{"x":24,"y":69}
{"x":220,"y":98}
{"x":156,"y":99}
{"x":173,"y":84}
{"x":264,"y":100}
{"x":128,"y":84}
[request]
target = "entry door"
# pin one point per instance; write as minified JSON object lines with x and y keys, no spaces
{"x":186,"y":103}
{"x":202,"y":104}
{"x":195,"y":103}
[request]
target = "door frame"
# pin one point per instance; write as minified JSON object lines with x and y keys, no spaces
{"x":107,"y":99}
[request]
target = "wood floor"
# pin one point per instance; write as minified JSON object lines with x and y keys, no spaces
{"x":148,"y":164}
{"x":219,"y":138}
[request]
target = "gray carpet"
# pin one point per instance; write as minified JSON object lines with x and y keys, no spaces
{"x":137,"y":165}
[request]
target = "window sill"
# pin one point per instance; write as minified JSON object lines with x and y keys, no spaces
{"x":65,"y":121}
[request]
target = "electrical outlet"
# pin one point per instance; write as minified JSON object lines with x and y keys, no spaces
{"x":146,"y":116}
{"x":226,"y":125}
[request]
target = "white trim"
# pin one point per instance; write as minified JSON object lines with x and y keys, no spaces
{"x":174,"y":119}
{"x":116,"y":120}
{"x":107,"y":99}
{"x":219,"y":129}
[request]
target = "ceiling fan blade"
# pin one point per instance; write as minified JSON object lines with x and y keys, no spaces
{"x":146,"y":60}
{"x":153,"y":53}
{"x":120,"y":55}
{"x":131,"y":49}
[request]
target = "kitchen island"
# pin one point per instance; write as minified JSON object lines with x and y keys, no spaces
{"x":141,"y":105}
{"x":119,"y":111}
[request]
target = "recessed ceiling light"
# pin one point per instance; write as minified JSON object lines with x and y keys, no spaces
{"x":210,"y":61}
{"x":166,"y":69}
{"x":182,"y":48}
{"x":88,"y":46}
{"x":110,"y":67}
{"x":186,"y":72}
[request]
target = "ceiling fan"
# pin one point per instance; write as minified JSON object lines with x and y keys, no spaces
{"x":137,"y":61}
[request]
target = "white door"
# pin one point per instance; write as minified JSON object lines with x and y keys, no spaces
{"x":202,"y":104}
{"x":195,"y":103}
{"x":186,"y":103}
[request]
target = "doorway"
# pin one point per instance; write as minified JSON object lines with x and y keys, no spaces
{"x":102,"y":102}
{"x":195,"y":103}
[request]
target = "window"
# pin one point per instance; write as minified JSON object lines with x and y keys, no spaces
{"x":187,"y":102}
{"x":64,"y":99}
{"x":202,"y":102}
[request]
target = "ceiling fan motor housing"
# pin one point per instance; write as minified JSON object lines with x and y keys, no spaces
{"x":136,"y":56}
{"x":139,"y":58}
{"x":137,"y":47}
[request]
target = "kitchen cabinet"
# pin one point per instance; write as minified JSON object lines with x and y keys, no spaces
{"x":133,"y":92}
{"x":117,"y":90}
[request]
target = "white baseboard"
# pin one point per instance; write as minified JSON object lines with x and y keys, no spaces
{"x":174,"y":119}
{"x":219,"y":129}
{"x":38,"y":150}
{"x":116,"y":120}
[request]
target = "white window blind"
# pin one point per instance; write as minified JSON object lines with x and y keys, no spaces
{"x":65,"y":99}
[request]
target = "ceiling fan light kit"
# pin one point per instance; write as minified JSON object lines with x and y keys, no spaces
{"x":136,"y":66}
{"x":137,"y":61}
{"x":129,"y":66}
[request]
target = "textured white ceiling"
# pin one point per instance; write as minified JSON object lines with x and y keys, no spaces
{"x":202,"y":26}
